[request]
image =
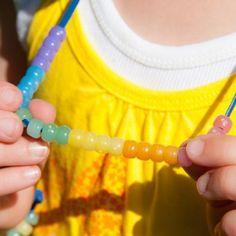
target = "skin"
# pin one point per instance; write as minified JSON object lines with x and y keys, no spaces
{"x":159,"y":21}
{"x":21,"y":159}
{"x":166,"y":22}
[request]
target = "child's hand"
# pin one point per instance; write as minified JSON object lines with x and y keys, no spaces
{"x":214,"y":168}
{"x":21,"y":159}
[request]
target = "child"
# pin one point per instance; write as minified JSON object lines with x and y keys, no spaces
{"x":112,"y":77}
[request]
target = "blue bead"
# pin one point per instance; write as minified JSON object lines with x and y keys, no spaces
{"x":31,"y":82}
{"x":35,"y":71}
{"x":32,"y":218}
{"x":38,"y":196}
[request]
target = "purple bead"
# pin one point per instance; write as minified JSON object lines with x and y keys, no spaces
{"x":52,"y":43}
{"x":46,"y":53}
{"x":58,"y":32}
{"x":41,"y":62}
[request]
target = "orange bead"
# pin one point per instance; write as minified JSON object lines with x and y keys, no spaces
{"x":157,"y":153}
{"x":130,"y":149}
{"x":170,"y":155}
{"x":144,"y":151}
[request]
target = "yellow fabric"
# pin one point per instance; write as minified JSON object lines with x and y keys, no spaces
{"x":92,"y":194}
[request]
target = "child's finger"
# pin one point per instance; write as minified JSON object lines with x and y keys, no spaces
{"x":212,"y":150}
{"x":42,"y":110}
{"x":14,"y":179}
{"x":23,"y":153}
{"x":11,"y":127}
{"x":218,"y":184}
{"x":227,"y":225}
{"x":10,"y":96}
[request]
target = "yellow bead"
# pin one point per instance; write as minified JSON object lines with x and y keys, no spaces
{"x":90,"y":141}
{"x":76,"y":138}
{"x":24,"y":228}
{"x":116,"y":146}
{"x":103,"y":143}
{"x":170,"y":155}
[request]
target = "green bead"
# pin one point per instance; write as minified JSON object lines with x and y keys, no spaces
{"x":49,"y":132}
{"x":62,"y":134}
{"x":32,"y":218}
{"x":24,"y":114}
{"x":34,"y":128}
{"x":12,"y":232}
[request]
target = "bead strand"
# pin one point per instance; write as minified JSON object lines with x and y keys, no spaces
{"x":34,"y":75}
{"x":25,"y":228}
{"x":38,"y":129}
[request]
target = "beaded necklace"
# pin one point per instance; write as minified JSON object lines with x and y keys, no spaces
{"x":79,"y":138}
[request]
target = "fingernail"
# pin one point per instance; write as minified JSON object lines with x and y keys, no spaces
{"x":8,"y":126}
{"x":37,"y":150}
{"x":195,"y":148}
{"x":183,"y":159}
{"x":202,"y":183}
{"x":8,"y":96}
{"x":32,"y":174}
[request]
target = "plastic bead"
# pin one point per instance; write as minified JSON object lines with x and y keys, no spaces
{"x":41,"y":62}
{"x":34,"y":128}
{"x":103,"y":143}
{"x":116,"y":146}
{"x":32,"y":218}
{"x":144,"y":151}
{"x":76,"y":138}
{"x":157,"y":153}
{"x":216,"y":130}
{"x":13,"y":232}
{"x":49,"y":132}
{"x":24,"y":114}
{"x":24,"y":228}
{"x":170,"y":155}
{"x":224,"y":123}
{"x":46,"y":53}
{"x":90,"y":141}
{"x":58,"y":32}
{"x":130,"y":149}
{"x":35,"y":72}
{"x":31,"y":82}
{"x":52,"y":43}
{"x":62,"y":134}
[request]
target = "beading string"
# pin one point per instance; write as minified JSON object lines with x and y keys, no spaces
{"x":79,"y":138}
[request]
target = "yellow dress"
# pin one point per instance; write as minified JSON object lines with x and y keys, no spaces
{"x":87,"y":193}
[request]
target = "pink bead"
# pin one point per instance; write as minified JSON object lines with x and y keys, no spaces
{"x":224,"y":123}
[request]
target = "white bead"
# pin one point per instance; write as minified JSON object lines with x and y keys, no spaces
{"x":24,"y":228}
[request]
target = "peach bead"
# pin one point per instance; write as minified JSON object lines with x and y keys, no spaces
{"x":170,"y":155}
{"x":143,"y":151}
{"x":116,"y":146}
{"x":76,"y":138}
{"x":103,"y":143}
{"x":157,"y":153}
{"x":130,"y":149}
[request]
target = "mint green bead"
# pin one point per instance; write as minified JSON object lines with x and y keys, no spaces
{"x":62,"y":135}
{"x":12,"y":232}
{"x":49,"y":132}
{"x":34,"y":128}
{"x":24,"y":114}
{"x":32,"y":218}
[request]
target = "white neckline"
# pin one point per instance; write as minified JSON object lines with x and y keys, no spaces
{"x":154,"y":55}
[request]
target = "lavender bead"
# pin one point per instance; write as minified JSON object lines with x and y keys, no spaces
{"x":52,"y":43}
{"x":41,"y":62}
{"x":58,"y":32}
{"x":46,"y":53}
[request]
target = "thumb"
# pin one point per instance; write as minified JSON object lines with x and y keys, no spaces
{"x":195,"y":171}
